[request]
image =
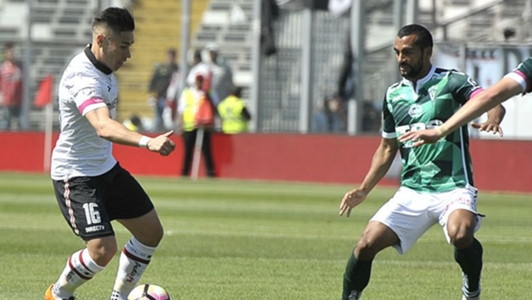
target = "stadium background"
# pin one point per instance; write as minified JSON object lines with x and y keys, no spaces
{"x":284,"y":88}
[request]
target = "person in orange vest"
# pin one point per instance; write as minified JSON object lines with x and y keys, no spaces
{"x":233,"y":112}
{"x":191,"y":118}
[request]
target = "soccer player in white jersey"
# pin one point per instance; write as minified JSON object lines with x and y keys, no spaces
{"x":91,"y":188}
{"x":519,"y":81}
{"x":437,"y":181}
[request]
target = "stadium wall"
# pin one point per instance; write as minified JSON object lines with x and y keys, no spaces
{"x":499,"y":165}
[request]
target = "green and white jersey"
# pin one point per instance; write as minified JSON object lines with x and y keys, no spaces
{"x":442,"y":166}
{"x":523,"y":75}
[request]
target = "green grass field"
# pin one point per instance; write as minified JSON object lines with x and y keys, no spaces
{"x":231,"y":240}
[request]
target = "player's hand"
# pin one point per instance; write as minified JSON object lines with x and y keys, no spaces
{"x":489,"y":126}
{"x":350,"y":200}
{"x":421,"y":137}
{"x":162,"y":144}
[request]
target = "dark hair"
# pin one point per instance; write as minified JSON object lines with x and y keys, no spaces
{"x":237,"y":91}
{"x":197,"y":55}
{"x":423,"y":36}
{"x":115,"y":18}
{"x":9,"y":46}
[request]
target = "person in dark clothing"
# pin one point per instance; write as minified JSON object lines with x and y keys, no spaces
{"x":159,"y":85}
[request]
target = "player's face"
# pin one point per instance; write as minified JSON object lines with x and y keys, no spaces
{"x":411,"y":59}
{"x":116,"y":49}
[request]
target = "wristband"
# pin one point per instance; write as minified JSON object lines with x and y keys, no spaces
{"x":143,"y":142}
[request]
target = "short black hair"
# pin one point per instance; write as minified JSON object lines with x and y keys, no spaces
{"x":9,"y":46}
{"x":115,"y":18}
{"x":237,"y":91}
{"x":423,"y":35}
{"x":197,"y":55}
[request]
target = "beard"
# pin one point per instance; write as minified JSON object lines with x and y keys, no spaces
{"x":412,"y":72}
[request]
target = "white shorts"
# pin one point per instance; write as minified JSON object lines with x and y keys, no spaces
{"x":410,"y":213}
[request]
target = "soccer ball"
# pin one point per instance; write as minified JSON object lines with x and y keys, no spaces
{"x":148,"y":292}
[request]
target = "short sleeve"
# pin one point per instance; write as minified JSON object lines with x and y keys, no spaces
{"x":463,"y":87}
{"x":522,"y":74}
{"x":388,"y":127}
{"x":88,"y":94}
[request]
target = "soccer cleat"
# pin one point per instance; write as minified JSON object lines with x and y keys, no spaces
{"x":48,"y":295}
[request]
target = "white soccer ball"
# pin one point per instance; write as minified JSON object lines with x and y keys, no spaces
{"x":148,"y":292}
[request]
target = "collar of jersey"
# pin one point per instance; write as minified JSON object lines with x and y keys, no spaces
{"x":423,"y":80}
{"x":95,"y":62}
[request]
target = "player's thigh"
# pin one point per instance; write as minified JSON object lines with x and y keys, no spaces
{"x":406,"y":215}
{"x":375,"y":238}
{"x":128,"y":203}
{"x":457,"y":211}
{"x":124,"y":196}
{"x":81,"y":202}
{"x":147,"y":228}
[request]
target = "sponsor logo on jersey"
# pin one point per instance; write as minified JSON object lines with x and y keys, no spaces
{"x":415,"y":111}
{"x":398,"y":97}
{"x":112,"y":105}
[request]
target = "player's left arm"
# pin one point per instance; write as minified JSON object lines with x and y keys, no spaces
{"x":467,"y":89}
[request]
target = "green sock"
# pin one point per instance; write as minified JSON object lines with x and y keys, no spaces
{"x":470,"y":260}
{"x":356,"y":276}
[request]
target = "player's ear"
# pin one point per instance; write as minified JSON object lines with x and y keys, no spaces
{"x":100,"y":39}
{"x":428,"y":52}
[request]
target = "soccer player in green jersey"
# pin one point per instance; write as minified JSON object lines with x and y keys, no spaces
{"x":437,"y":180}
{"x":519,"y":81}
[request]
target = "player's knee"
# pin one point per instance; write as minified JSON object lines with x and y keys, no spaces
{"x":365,"y":249}
{"x":103,"y":251}
{"x":152,"y":237}
{"x":461,"y":237}
{"x":158,"y":234}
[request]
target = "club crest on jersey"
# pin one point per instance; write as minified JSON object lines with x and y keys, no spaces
{"x":432,"y":93}
{"x":415,"y":111}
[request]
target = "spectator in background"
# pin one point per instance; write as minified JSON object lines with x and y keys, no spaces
{"x":222,"y":75}
{"x":158,"y":86}
{"x":233,"y":112}
{"x":337,"y":114}
{"x":320,"y":118}
{"x":187,"y":109}
{"x":10,"y":88}
{"x":199,"y":67}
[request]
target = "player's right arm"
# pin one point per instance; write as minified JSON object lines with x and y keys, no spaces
{"x":380,"y":164}
{"x":115,"y":132}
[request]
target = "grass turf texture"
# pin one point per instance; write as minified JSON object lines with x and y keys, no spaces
{"x":259,"y":240}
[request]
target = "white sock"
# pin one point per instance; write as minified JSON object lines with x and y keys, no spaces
{"x":133,"y":261}
{"x":79,"y":269}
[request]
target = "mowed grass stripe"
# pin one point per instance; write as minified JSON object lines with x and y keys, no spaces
{"x":232,"y":240}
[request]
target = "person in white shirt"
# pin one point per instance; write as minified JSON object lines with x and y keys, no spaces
{"x":91,"y":188}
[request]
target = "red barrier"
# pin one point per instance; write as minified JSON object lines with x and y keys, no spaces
{"x":499,"y":165}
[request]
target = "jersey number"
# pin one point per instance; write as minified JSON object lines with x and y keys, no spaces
{"x":93,"y":216}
